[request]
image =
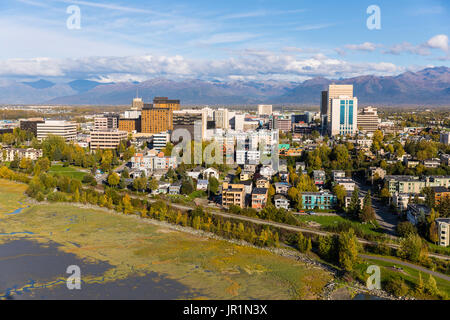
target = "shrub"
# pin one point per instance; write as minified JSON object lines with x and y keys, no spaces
{"x":396,"y":286}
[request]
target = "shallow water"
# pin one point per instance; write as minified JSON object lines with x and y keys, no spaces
{"x":29,"y":270}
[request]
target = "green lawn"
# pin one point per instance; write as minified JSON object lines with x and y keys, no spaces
{"x":70,"y":171}
{"x":409,"y":275}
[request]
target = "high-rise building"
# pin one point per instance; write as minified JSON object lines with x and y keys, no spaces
{"x":239,"y":121}
{"x":221,"y":118}
{"x":65,"y":129}
{"x":107,"y":139}
{"x":264,"y":109}
{"x":160,"y":140}
{"x":195,"y":121}
{"x":155,"y":120}
{"x":368,"y":119}
{"x":158,"y":117}
{"x":137,"y":104}
{"x":334,"y":91}
{"x":344,"y":116}
{"x":130,"y":125}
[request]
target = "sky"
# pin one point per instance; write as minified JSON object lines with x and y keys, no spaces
{"x":261,"y":40}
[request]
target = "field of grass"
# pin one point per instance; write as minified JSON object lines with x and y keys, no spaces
{"x":326,"y":221}
{"x":213,"y":269}
{"x":70,"y":171}
{"x":12,"y":196}
{"x":409,"y":275}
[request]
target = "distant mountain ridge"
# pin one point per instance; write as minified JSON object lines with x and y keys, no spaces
{"x":430,"y":86}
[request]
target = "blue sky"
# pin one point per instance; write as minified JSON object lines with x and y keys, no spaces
{"x":224,"y":40}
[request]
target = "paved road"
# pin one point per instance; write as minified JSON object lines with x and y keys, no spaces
{"x":385,"y":218}
{"x":407,"y":264}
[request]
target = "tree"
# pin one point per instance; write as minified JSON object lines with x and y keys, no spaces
{"x":367,"y":213}
{"x":126,"y":202}
{"x":113,"y":179}
{"x":140,"y":183}
{"x":213,"y":185}
{"x":348,"y":249}
{"x":405,"y":228}
{"x":340,"y":193}
{"x":153,"y":184}
{"x":411,"y":248}
{"x":355,"y":206}
{"x":303,"y":243}
{"x":384,"y":194}
{"x":396,"y":286}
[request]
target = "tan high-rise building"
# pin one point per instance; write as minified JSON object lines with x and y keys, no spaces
{"x":158,"y":117}
{"x":368,"y":119}
{"x":335,"y":91}
{"x":264,"y":109}
{"x":221,"y":118}
{"x":137,"y":104}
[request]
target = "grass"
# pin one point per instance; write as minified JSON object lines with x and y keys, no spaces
{"x":70,"y":171}
{"x":12,"y":196}
{"x":211,"y":268}
{"x":327,"y":221}
{"x":409,"y":275}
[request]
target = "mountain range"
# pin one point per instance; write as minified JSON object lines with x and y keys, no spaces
{"x":427,"y":87}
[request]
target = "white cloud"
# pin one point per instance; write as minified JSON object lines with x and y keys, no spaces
{"x":248,"y":64}
{"x":366,"y":46}
{"x":439,"y":41}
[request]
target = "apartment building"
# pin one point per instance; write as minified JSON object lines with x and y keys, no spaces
{"x":130,"y":125}
{"x":233,"y":196}
{"x":319,"y":200}
{"x":443,"y":231}
{"x":9,"y":154}
{"x":414,"y":184}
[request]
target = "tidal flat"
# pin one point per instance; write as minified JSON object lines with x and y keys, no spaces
{"x":176,"y":264}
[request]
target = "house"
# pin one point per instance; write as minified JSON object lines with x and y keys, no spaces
{"x":248,"y":186}
{"x":282,"y":187}
{"x":263,"y":183}
{"x":281,"y":202}
{"x":300,"y":166}
{"x":284,"y":175}
{"x":195,"y":173}
{"x":319,"y":177}
{"x":259,"y":198}
{"x":417,"y":212}
{"x":245,"y":175}
{"x":210,"y":172}
{"x":411,"y":163}
{"x":282,"y":166}
{"x":163,"y":188}
{"x":323,"y":200}
{"x":267,"y":172}
{"x":337,"y":174}
{"x":202,"y":185}
{"x":443,"y":231}
{"x":347,"y":183}
{"x":175,"y":188}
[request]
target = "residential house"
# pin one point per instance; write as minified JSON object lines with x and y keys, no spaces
{"x":347,"y":183}
{"x":337,"y":174}
{"x":282,"y":187}
{"x":319,"y":177}
{"x":281,"y":202}
{"x":263,"y":183}
{"x":202,"y":185}
{"x":259,"y":198}
{"x":440,"y":193}
{"x":175,"y":188}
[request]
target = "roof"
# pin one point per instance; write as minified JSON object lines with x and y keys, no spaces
{"x":279,"y":197}
{"x":440,"y":189}
{"x":259,"y":191}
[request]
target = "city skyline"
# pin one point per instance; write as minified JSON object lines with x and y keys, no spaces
{"x":255,"y":40}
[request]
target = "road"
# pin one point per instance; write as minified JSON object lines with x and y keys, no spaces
{"x":407,"y":264}
{"x":387,"y":220}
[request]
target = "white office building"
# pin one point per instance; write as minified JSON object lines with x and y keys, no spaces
{"x":65,"y":129}
{"x":344,"y":116}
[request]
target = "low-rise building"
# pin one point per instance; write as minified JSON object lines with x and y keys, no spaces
{"x":233,"y":196}
{"x":281,"y":202}
{"x":348,"y":200}
{"x":259,"y":198}
{"x":319,"y":200}
{"x":440,"y":193}
{"x":337,"y":174}
{"x":319,"y":177}
{"x":347,"y":183}
{"x":417,"y":212}
{"x":282,"y":187}
{"x":9,"y":154}
{"x":107,"y":139}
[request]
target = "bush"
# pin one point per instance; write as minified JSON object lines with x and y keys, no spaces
{"x":406,"y":228}
{"x":396,"y":286}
